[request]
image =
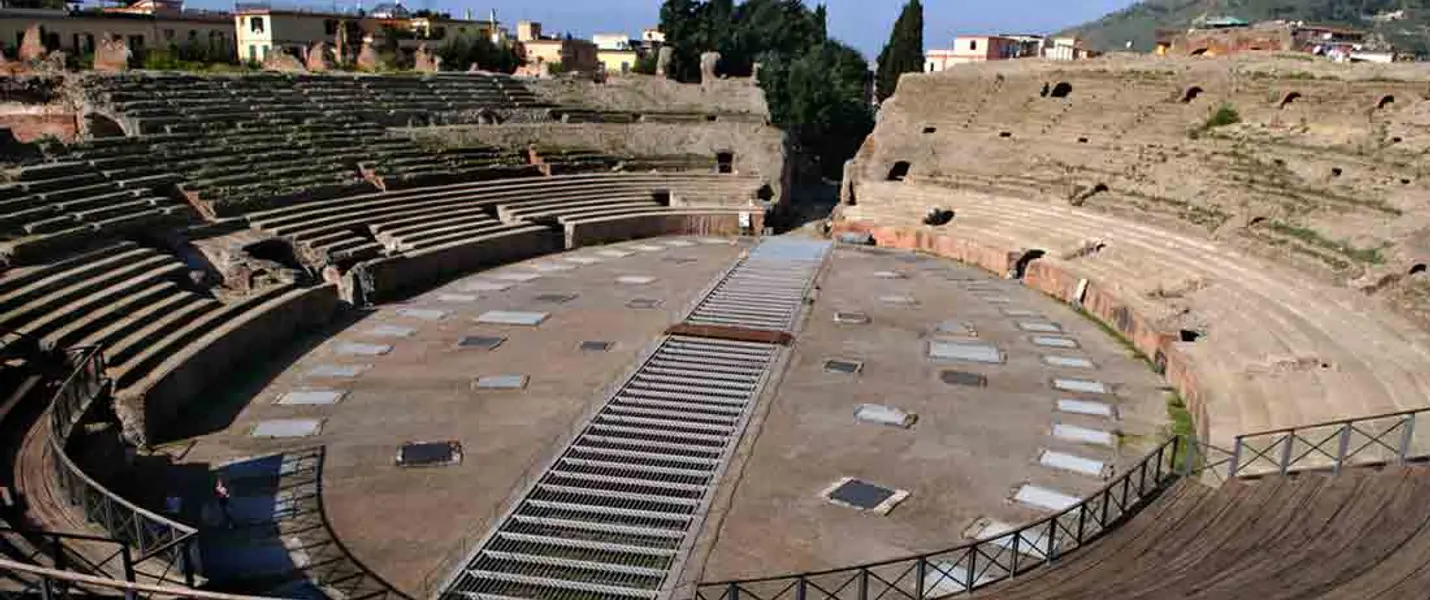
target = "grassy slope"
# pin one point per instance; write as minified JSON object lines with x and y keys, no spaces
{"x":1139,"y":21}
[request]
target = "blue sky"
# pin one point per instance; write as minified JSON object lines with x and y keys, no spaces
{"x":862,"y":23}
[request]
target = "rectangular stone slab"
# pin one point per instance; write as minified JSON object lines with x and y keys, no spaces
{"x":1084,"y":435}
{"x":1072,"y":362}
{"x":862,"y":495}
{"x":310,"y":397}
{"x":648,"y":248}
{"x":613,"y":253}
{"x":354,"y":348}
{"x":851,"y":318}
{"x":1019,"y":312}
{"x":499,"y":382}
{"x":1086,"y":386}
{"x":1039,"y":326}
{"x":429,"y":454}
{"x":582,"y":260}
{"x":456,"y":298}
{"x":1044,"y":498}
{"x":1085,"y":407}
{"x":1053,"y":341}
{"x":679,"y":243}
{"x":977,"y":352}
{"x":552,"y":267}
{"x":287,"y":428}
{"x":425,"y":314}
{"x":884,"y":415}
{"x":516,"y":276}
{"x":337,"y":370}
{"x":1072,"y":462}
{"x":847,"y":367}
{"x":511,"y":317}
{"x":391,"y":331}
{"x":635,"y":279}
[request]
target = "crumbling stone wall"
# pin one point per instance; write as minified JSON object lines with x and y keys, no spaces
{"x":36,"y":107}
{"x":1323,"y":170}
{"x":644,"y":93}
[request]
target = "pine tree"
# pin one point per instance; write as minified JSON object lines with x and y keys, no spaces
{"x":905,"y":51}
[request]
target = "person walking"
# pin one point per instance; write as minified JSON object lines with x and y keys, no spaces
{"x":222,"y":495}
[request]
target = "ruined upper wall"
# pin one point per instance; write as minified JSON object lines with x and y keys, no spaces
{"x":645,"y":93}
{"x":1326,"y":170}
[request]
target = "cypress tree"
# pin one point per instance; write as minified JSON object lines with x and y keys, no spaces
{"x":905,"y":51}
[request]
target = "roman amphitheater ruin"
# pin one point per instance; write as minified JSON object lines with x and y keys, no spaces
{"x":483,"y":337}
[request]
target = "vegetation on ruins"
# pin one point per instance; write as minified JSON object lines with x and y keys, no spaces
{"x":460,"y":52}
{"x":1224,"y":115}
{"x":904,"y":53}
{"x":1404,"y":23}
{"x":815,"y":86}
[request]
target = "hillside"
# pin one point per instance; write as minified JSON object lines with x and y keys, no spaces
{"x":1405,"y":23}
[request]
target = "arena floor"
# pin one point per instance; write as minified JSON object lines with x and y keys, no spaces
{"x":402,"y":376}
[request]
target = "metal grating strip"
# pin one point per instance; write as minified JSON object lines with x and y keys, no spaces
{"x":608,"y":519}
{"x":765,"y":290}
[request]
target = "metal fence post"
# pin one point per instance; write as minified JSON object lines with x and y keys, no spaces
{"x":920,"y":571}
{"x":186,"y":565}
{"x":1406,"y":436}
{"x":734,"y":592}
{"x":972,"y":566}
{"x":863,"y":583}
{"x":1342,"y":445}
{"x":1234,"y":462}
{"x":801,"y":587}
{"x":127,"y":561}
{"x":1013,"y":569}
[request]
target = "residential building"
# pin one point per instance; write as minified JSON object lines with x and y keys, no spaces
{"x":1066,"y":48}
{"x":1227,"y":35}
{"x":980,"y":48}
{"x":261,"y":29}
{"x":144,"y":25}
{"x":612,"y":41}
{"x":570,"y":53}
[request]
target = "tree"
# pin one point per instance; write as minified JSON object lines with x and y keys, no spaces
{"x":818,"y":97}
{"x":459,"y":52}
{"x":905,"y":51}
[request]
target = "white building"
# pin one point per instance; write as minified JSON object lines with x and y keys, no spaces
{"x":611,"y":41}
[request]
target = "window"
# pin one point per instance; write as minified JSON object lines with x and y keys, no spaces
{"x":330,"y":27}
{"x":972,"y":44}
{"x":255,"y":24}
{"x":136,"y":43}
{"x":265,"y":52}
{"x":252,"y":53}
{"x":168,"y":35}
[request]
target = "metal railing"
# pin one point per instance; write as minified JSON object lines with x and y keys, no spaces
{"x":1379,"y":439}
{"x":976,"y":564}
{"x":153,"y":536}
{"x":37,"y":547}
{"x":56,"y":583}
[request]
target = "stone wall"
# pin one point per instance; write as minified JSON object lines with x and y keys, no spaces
{"x":1325,"y":170}
{"x":647,"y":93}
{"x":759,"y":149}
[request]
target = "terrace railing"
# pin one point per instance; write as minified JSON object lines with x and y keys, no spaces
{"x":976,"y":564}
{"x":1380,"y":439}
{"x":155,"y":538}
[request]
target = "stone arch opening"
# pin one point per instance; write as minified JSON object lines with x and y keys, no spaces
{"x":1190,"y":335}
{"x":1289,"y":98}
{"x":1417,"y":269}
{"x":1061,"y":90}
{"x":725,"y":162}
{"x":1021,"y":267}
{"x":1336,"y":171}
{"x":765,"y":193}
{"x":930,"y":130}
{"x":100,"y":126}
{"x":1191,"y":94}
{"x":1385,"y":101}
{"x":1199,"y":52}
{"x":899,"y":171}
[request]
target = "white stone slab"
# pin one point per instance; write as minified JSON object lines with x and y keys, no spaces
{"x":1086,"y":386}
{"x":995,"y":299}
{"x":582,"y":260}
{"x":425,"y":314}
{"x":1071,"y":362}
{"x":485,"y":286}
{"x":356,"y":349}
{"x":456,"y":298}
{"x":1039,"y":326}
{"x":903,"y":300}
{"x":1020,"y":312}
{"x":1085,"y":407}
{"x":613,"y":253}
{"x":1084,"y":435}
{"x":1031,"y":542}
{"x":648,"y":248}
{"x":287,"y":428}
{"x":884,"y":415}
{"x":552,"y":267}
{"x":1053,"y":341}
{"x":635,"y":279}
{"x":961,"y":328}
{"x":1044,"y":498}
{"x":888,"y":274}
{"x":310,"y":397}
{"x":710,"y":240}
{"x":340,"y":371}
{"x":512,"y":317}
{"x":679,"y":243}
{"x":499,"y":382}
{"x":516,"y":276}
{"x":397,"y":331}
{"x":1072,"y":462}
{"x":967,"y":351}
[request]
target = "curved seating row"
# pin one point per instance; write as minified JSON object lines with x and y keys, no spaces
{"x":1272,"y":348}
{"x":1363,"y":534}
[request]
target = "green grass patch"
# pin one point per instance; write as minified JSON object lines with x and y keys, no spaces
{"x":1372,"y":256}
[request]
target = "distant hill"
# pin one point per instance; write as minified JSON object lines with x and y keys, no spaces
{"x":1404,"y":23}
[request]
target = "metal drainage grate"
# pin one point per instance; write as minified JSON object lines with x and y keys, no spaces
{"x":481,"y":341}
{"x":429,"y":454}
{"x":847,"y":367}
{"x":643,"y":303}
{"x":612,"y":515}
{"x":862,"y":495}
{"x":952,"y":377}
{"x":767,"y":289}
{"x":595,"y":346}
{"x":555,"y":298}
{"x":499,"y":382}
